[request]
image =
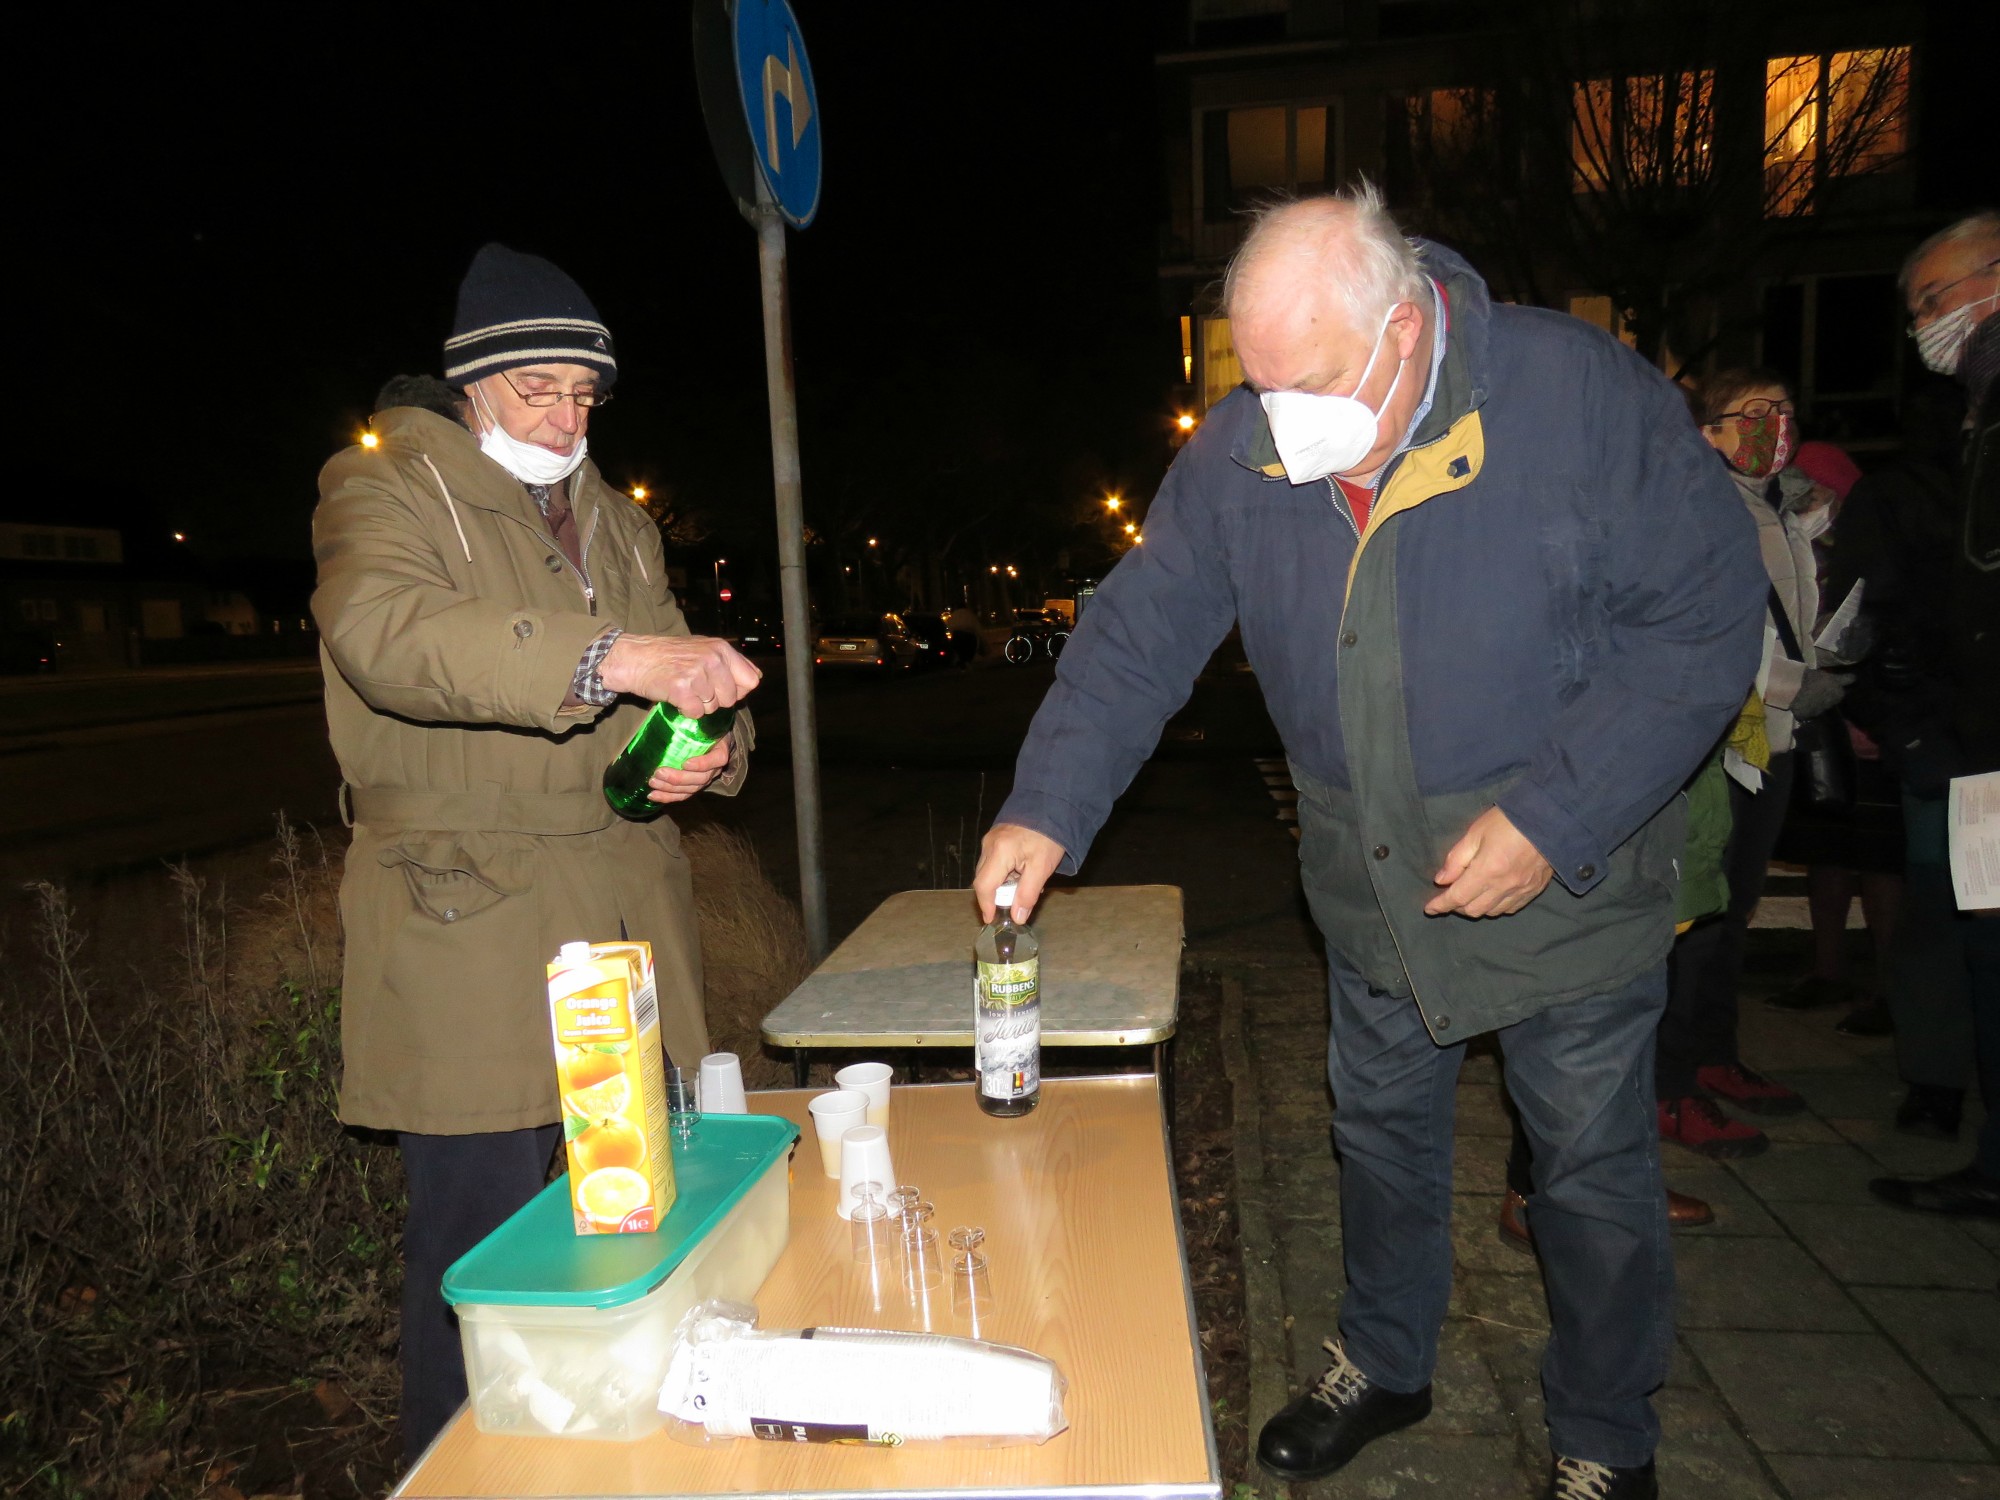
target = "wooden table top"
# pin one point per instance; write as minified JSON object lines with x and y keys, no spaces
{"x":1111,"y":966}
{"x":1087,"y":1268}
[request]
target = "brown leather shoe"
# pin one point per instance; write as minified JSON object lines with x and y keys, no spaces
{"x":1685,"y":1211}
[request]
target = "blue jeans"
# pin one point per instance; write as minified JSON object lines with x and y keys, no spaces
{"x":1581,"y":1075}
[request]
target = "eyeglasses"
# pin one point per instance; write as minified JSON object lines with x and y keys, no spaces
{"x":587,"y":399}
{"x":1755,"y":411}
{"x":1926,"y":306}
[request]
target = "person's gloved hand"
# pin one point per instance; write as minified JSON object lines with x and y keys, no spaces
{"x":1819,"y":691}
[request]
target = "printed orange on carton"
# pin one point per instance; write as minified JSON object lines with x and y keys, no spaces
{"x":605,"y":1017}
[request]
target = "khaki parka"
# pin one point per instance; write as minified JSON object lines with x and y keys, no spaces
{"x":451,"y":626}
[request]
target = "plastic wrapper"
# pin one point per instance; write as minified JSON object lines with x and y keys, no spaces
{"x":727,"y":1379}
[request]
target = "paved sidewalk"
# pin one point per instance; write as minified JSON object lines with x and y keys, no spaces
{"x":1829,"y":1347}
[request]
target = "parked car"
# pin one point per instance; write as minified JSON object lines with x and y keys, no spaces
{"x":877,"y":642}
{"x":928,"y":633}
{"x":760,"y":637}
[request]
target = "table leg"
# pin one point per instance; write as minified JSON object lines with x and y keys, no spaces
{"x":1163,"y":1070}
{"x":800,"y":1062}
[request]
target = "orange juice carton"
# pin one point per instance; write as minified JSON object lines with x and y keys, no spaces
{"x":604,"y":1014}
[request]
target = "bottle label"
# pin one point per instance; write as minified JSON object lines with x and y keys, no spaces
{"x":1007,"y":1007}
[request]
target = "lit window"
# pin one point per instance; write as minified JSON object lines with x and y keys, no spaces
{"x":1650,"y":131}
{"x":1262,"y":150}
{"x":1221,"y":370}
{"x":1841,"y":114}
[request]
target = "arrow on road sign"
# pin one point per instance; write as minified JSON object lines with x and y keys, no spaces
{"x":789,"y":81}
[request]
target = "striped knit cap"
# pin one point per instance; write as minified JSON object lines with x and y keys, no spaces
{"x":515,"y":310}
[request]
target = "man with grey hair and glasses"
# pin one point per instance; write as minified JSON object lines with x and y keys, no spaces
{"x":1501,"y":600}
{"x":1934,"y":692}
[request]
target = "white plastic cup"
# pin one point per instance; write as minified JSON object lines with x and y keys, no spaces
{"x":834,"y":1115}
{"x":722,"y":1085}
{"x":864,"y":1157}
{"x":872,"y":1079}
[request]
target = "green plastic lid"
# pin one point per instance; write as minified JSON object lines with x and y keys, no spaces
{"x":537,"y":1259}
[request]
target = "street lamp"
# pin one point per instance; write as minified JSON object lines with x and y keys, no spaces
{"x":1185,"y":421}
{"x":1112,"y":502}
{"x":638,"y":494}
{"x":871,"y":541}
{"x":1131,"y":528}
{"x":370,"y":440}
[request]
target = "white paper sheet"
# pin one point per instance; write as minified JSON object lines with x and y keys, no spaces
{"x":1974,"y":823}
{"x":1838,"y":622}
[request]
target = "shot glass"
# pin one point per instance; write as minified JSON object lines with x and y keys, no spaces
{"x":683,"y":1103}
{"x":870,"y":1229}
{"x":971,"y":1287}
{"x":923,"y":1267}
{"x":864,"y":1160}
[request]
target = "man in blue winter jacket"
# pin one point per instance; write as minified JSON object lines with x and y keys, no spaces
{"x":1501,"y":601}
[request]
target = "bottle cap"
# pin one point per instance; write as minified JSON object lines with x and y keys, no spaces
{"x":575,"y":953}
{"x":1003,"y":899}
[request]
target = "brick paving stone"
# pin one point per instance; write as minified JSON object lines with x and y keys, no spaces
{"x":1465,"y":1396}
{"x":1882,"y":1246}
{"x":1983,"y":1412}
{"x":1421,"y":1462}
{"x":1759,"y":1283}
{"x":1805,"y":1129}
{"x":1702,"y":1453}
{"x":1831,"y":1393}
{"x":1845,"y":1093}
{"x":1953,"y":1337}
{"x":1808,"y":1174}
{"x":1475,"y":1237}
{"x":1885,"y":1479}
{"x":1481,"y":1112}
{"x":1479,"y":1164}
{"x":1737,"y":1211}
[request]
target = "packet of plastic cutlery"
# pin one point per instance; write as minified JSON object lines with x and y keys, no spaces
{"x":854,"y":1386}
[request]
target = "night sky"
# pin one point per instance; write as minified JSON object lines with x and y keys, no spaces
{"x":243,"y":231}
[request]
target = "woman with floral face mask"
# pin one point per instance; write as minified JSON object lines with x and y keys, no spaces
{"x":1748,"y":418}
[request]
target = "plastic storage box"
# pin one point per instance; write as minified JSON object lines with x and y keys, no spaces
{"x":571,"y":1334}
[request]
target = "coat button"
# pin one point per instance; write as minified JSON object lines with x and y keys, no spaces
{"x":1349,"y":639}
{"x":1588,"y":872}
{"x":1381,"y":851}
{"x":451,"y":914}
{"x":553,"y":564}
{"x":1442,"y":1023}
{"x":524,"y":628}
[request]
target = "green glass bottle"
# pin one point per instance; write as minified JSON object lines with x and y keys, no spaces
{"x":667,"y":738}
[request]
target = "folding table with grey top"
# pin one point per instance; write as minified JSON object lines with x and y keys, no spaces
{"x":1111,"y":976}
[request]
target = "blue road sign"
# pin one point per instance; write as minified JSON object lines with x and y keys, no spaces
{"x":779,"y":105}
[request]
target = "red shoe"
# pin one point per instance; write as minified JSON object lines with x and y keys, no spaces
{"x":1697,"y":1124}
{"x":1735,"y":1084}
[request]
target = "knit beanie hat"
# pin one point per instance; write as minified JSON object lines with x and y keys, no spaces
{"x":1823,"y":463}
{"x":515,"y":310}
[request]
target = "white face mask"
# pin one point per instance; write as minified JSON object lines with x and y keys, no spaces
{"x":1813,"y":524}
{"x":530,"y":463}
{"x":1941,"y":345}
{"x":1321,"y":435}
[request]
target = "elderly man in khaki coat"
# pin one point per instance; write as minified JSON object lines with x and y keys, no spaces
{"x":496,"y":622}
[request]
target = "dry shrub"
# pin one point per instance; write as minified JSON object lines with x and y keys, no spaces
{"x":186,"y":1210}
{"x":753,"y":948}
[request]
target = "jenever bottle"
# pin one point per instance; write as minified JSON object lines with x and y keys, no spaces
{"x":666,"y":738}
{"x":1007,"y":1006}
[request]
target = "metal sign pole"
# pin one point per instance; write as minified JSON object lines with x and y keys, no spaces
{"x":792,"y":567}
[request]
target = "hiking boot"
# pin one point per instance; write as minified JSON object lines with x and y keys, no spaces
{"x":1340,"y":1415}
{"x":1580,"y":1479}
{"x":1694,"y":1122}
{"x":1813,"y":993}
{"x":1735,"y":1084}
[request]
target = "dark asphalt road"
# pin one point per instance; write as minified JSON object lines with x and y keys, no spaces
{"x":912,"y":769}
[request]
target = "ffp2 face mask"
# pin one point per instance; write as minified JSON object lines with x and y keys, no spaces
{"x":1317,"y":436}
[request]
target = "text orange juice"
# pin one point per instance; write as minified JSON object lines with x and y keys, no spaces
{"x":604,"y":1015}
